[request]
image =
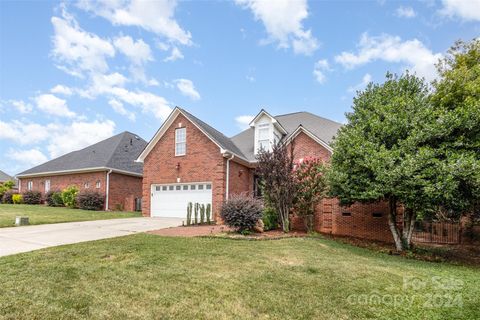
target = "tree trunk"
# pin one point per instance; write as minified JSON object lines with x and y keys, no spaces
{"x":408,"y":227}
{"x":392,"y":223}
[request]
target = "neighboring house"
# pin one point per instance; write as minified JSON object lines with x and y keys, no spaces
{"x":5,"y":177}
{"x":189,"y":161}
{"x":108,"y":167}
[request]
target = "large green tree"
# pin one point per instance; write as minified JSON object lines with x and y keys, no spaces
{"x":373,"y":158}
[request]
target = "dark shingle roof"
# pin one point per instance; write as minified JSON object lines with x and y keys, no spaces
{"x":4,"y":177}
{"x":118,"y":152}
{"x":222,"y":140}
{"x":322,"y":128}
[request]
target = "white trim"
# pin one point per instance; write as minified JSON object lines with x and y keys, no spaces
{"x":107,"y":189}
{"x":311,"y":135}
{"x":274,"y":121}
{"x":180,"y":142}
{"x":227,"y":180}
{"x":63,"y":172}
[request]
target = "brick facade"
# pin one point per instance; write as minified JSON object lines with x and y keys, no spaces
{"x":202,"y":162}
{"x":122,"y":187}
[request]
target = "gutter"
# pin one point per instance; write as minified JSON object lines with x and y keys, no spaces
{"x":107,"y":189}
{"x":227,"y":187}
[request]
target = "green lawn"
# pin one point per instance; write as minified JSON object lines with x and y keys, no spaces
{"x":150,"y":277}
{"x":40,"y":214}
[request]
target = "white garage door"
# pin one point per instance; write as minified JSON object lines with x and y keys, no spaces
{"x":171,"y":200}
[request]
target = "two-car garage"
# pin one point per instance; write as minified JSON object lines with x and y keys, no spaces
{"x":171,"y":200}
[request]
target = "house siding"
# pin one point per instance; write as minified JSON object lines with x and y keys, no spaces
{"x":202,"y":162}
{"x":123,"y":191}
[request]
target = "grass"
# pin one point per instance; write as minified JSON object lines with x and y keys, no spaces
{"x":40,"y":214}
{"x":151,"y":277}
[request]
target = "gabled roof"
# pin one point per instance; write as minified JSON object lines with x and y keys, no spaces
{"x":5,"y":177}
{"x":225,"y":144}
{"x":322,"y":129}
{"x":117,"y":153}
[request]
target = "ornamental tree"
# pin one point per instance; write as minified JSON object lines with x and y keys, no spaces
{"x":275,"y":169}
{"x":311,"y":187}
{"x":373,"y":158}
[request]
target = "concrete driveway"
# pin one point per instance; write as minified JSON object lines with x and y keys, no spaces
{"x":28,"y":238}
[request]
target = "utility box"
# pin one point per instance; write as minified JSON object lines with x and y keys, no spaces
{"x":21,"y":221}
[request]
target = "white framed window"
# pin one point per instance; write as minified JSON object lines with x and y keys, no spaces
{"x":98,"y":184}
{"x":47,"y":186}
{"x":86,"y":185}
{"x":180,"y":141}
{"x":30,"y":185}
{"x":264,"y":136}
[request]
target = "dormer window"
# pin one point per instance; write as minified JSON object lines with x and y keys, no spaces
{"x":264,"y":136}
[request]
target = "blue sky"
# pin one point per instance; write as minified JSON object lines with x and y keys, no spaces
{"x":74,"y":73}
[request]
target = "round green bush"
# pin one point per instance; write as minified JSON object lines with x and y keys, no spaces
{"x":241,"y":212}
{"x":69,"y":196}
{"x":90,"y":200}
{"x":32,"y":197}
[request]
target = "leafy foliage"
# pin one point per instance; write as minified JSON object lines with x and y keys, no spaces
{"x":311,"y":187}
{"x":54,"y":198}
{"x":17,"y":198}
{"x":275,"y":169}
{"x":69,"y":196}
{"x":270,"y":219}
{"x":90,"y":200}
{"x":7,"y":196}
{"x":32,"y":197}
{"x":6,"y":186}
{"x":241,"y":212}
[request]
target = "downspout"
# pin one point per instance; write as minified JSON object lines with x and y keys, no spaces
{"x":107,"y":189}
{"x":228,"y":177}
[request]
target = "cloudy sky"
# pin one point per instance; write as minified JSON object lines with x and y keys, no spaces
{"x":74,"y":73}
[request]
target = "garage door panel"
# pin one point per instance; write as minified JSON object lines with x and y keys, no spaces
{"x":171,"y":200}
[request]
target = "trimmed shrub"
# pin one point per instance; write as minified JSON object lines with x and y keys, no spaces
{"x":54,"y":199}
{"x":270,"y":219}
{"x":241,"y":212}
{"x":17,"y":198}
{"x":32,"y":197}
{"x":90,"y":200}
{"x":7,"y":197}
{"x":6,"y":186}
{"x":69,"y":196}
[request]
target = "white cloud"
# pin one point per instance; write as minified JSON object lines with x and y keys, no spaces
{"x":78,"y":135}
{"x":22,"y":106}
{"x":146,"y":101}
{"x":78,"y":49}
{"x":137,"y":51}
{"x":320,"y":68}
{"x":53,"y":105}
{"x":58,"y":138}
{"x":468,"y":10}
{"x":61,"y":89}
{"x":118,"y":107}
{"x":31,"y":157}
{"x":244,"y":121}
{"x":155,"y":16}
{"x":187,"y":88}
{"x":411,"y":53}
{"x":250,"y":78}
{"x":405,"y":12}
{"x":175,"y":54}
{"x":367,"y":78}
{"x":283,"y":22}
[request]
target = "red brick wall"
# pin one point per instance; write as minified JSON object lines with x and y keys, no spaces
{"x":202,"y":162}
{"x":121,"y":186}
{"x":123,"y":191}
{"x":241,"y":179}
{"x":60,"y":182}
{"x":304,"y":146}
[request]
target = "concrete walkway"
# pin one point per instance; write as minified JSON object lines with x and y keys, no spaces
{"x":28,"y":238}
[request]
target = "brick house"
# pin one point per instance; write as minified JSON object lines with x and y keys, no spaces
{"x":189,"y":161}
{"x":108,"y":167}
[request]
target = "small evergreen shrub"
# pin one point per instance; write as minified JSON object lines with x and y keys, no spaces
{"x":32,"y":197}
{"x":241,"y":212}
{"x":90,"y":200}
{"x":17,"y":198}
{"x":270,"y":219}
{"x":54,"y":199}
{"x":7,"y":197}
{"x":69,"y":196}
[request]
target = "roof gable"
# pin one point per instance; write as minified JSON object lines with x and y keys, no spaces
{"x":223,"y":142}
{"x":5,"y":177}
